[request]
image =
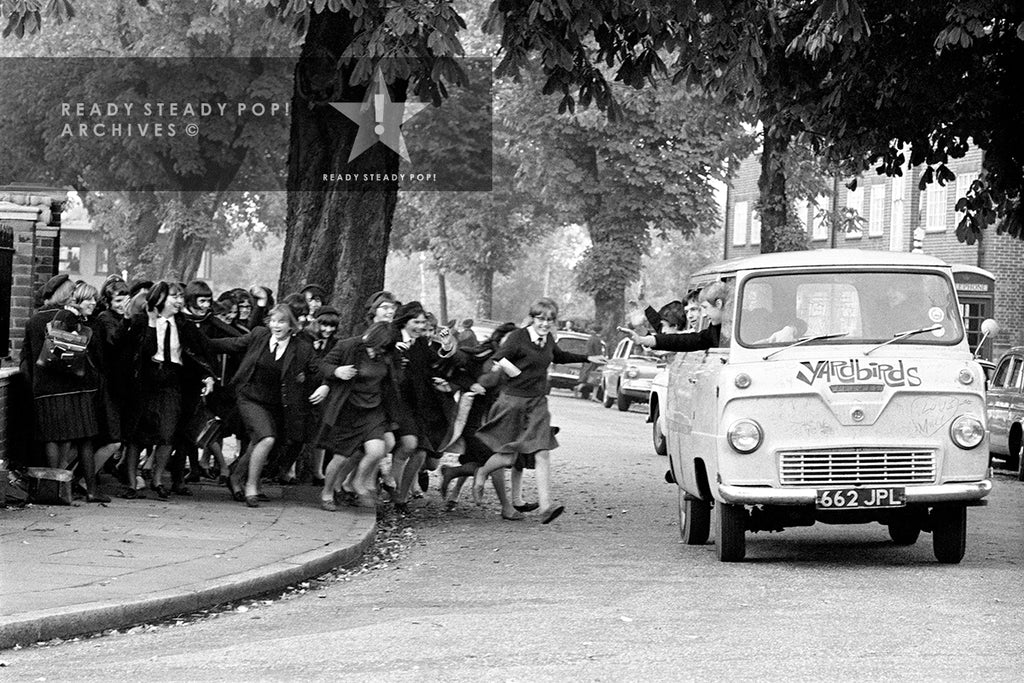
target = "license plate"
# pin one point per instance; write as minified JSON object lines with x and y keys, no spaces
{"x":859,"y":498}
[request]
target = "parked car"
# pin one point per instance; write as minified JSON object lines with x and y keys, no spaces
{"x":1005,"y":405}
{"x":626,"y":378}
{"x":483,"y":329}
{"x":866,"y":407}
{"x":566,"y":376}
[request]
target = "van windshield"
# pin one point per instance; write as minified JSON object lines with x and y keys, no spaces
{"x":870,"y":307}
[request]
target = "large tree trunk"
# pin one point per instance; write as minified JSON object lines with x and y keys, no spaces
{"x":189,"y":235}
{"x":608,"y":313}
{"x":337,"y":233}
{"x":778,"y":233}
{"x":483,"y":284}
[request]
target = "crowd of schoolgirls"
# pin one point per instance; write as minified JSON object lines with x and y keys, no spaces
{"x":145,"y":380}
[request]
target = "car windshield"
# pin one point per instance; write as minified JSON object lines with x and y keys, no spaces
{"x":867,"y":307}
{"x":572,"y":344}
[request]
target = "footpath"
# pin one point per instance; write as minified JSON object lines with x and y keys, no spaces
{"x":67,"y":571}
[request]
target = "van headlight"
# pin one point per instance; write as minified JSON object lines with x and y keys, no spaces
{"x":632,"y":372}
{"x":967,"y":431}
{"x":745,"y":436}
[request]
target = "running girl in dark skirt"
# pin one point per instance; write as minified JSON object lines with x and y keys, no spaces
{"x":361,"y":378}
{"x":519,"y":423}
{"x":165,"y":343}
{"x":273,"y":386}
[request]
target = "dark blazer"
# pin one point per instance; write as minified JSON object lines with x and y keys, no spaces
{"x":299,"y":371}
{"x":346,"y":352}
{"x":708,"y":338}
{"x":196,"y":355}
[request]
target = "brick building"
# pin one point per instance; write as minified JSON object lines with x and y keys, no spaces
{"x":893,"y":208}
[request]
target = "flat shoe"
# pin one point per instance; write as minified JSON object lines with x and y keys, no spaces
{"x":96,"y":498}
{"x":130,"y":494}
{"x":552,"y":514}
{"x":514,"y":517}
{"x":239,"y":496}
{"x":328,"y":505}
{"x":262,"y":496}
{"x":527,"y":507}
{"x":161,"y":492}
{"x":181,"y":490}
{"x":252,"y":501}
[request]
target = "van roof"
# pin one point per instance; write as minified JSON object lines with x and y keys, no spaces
{"x":820,"y":257}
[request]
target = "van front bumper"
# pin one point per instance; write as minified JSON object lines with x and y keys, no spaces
{"x":964,"y":492}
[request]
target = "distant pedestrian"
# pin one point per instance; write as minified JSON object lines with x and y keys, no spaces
{"x":466,"y":336}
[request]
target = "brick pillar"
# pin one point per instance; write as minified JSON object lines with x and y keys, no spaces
{"x":24,"y":222}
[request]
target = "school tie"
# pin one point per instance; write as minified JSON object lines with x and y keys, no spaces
{"x":540,"y":342}
{"x":167,"y":340}
{"x":273,"y":349}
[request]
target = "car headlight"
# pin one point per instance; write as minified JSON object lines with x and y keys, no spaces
{"x":632,"y":372}
{"x":745,"y":436}
{"x":967,"y":431}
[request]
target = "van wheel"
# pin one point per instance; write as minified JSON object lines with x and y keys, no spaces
{"x":731,"y":532}
{"x":660,"y":447}
{"x":949,"y":533}
{"x":608,"y":400}
{"x":622,"y":401}
{"x":904,"y":531}
{"x":694,"y":519}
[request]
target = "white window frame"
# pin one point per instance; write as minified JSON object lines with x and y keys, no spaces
{"x":963,"y":183}
{"x":876,"y":211}
{"x":855,"y":201}
{"x":739,"y":224}
{"x":755,"y":228}
{"x":819,"y":231}
{"x":896,"y":242}
{"x":935,"y":208}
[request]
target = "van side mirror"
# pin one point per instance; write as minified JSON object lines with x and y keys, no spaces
{"x":989,"y":328}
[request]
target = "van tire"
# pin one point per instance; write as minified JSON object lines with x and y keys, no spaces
{"x":949,"y":533}
{"x":694,"y":519}
{"x":660,"y":446}
{"x":730,"y":532}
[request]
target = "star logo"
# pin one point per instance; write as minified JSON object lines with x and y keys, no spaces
{"x":379,"y":119}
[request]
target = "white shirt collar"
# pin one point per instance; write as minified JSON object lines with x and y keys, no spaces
{"x":406,"y":337}
{"x":282,"y":344}
{"x":536,"y":336}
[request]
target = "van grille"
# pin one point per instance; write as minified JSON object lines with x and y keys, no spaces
{"x":856,"y":466}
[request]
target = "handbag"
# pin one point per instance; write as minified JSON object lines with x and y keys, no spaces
{"x":65,"y":351}
{"x":204,"y":426}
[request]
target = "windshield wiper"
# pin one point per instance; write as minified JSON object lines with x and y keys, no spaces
{"x":804,"y":340}
{"x":903,"y":335}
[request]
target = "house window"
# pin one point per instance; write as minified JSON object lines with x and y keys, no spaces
{"x":963,"y":184}
{"x":70,"y":260}
{"x":755,"y":227}
{"x":855,"y":205}
{"x":739,"y":224}
{"x":821,"y":207}
{"x":935,"y":208}
{"x":877,"y":212}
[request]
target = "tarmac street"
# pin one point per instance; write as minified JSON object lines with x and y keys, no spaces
{"x":606,"y":592}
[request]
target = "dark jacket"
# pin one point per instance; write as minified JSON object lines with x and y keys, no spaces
{"x":346,"y":352}
{"x":299,"y":372}
{"x":46,"y":382}
{"x":708,"y":338}
{"x":196,"y":355}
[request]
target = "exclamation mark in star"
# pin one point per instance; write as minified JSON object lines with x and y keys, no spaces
{"x":379,"y":119}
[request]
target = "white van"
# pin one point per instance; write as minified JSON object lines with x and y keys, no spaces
{"x":844,"y":392}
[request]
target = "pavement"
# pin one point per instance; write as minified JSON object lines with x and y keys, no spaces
{"x":67,"y":571}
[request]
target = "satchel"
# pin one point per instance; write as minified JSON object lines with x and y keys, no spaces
{"x":204,"y":427}
{"x":65,"y":352}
